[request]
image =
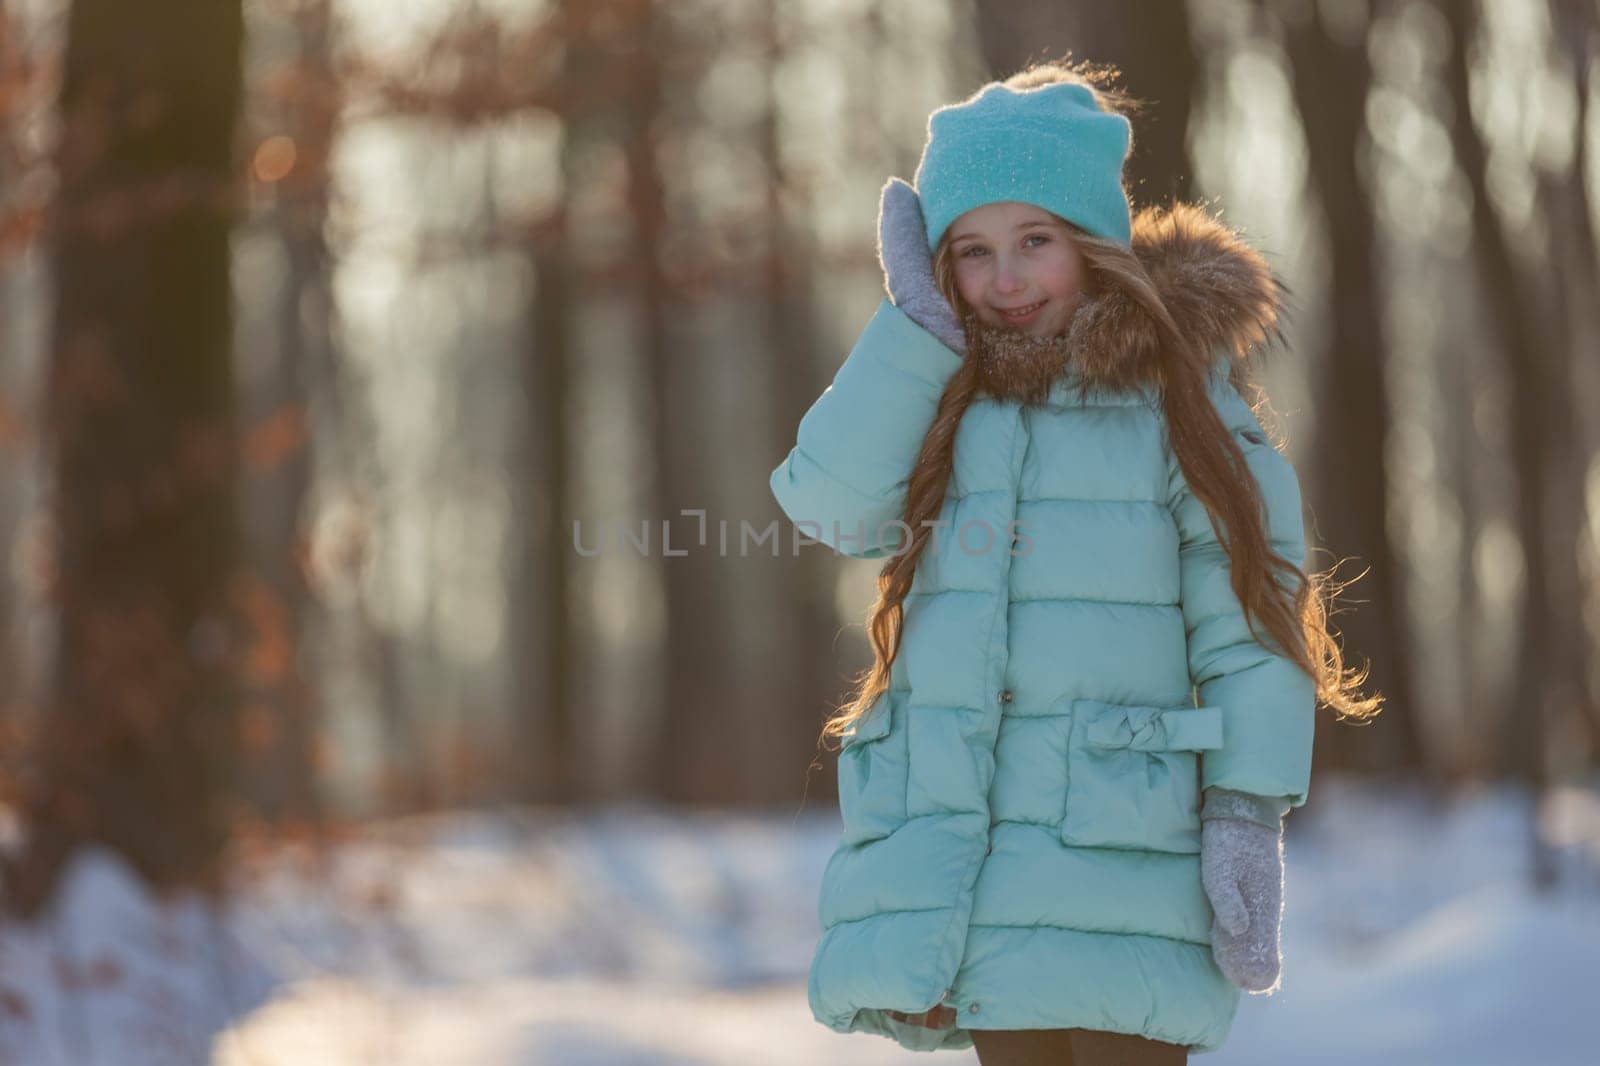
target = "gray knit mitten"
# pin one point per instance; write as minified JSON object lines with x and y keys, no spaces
{"x":908,"y":265}
{"x":1241,"y":868}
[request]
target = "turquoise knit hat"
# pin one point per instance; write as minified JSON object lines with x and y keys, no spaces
{"x":1050,"y":146}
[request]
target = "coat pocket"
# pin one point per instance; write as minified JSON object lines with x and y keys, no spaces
{"x":872,"y":772}
{"x":1133,"y":775}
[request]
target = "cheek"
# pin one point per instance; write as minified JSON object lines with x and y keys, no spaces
{"x":970,"y":284}
{"x":1067,"y":277}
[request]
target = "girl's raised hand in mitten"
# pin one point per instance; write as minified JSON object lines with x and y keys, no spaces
{"x":908,"y":265}
{"x":1241,"y":868}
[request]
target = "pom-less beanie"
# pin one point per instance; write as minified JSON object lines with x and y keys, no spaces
{"x":1050,"y":146}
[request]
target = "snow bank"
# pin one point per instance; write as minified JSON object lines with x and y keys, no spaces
{"x":632,"y":937}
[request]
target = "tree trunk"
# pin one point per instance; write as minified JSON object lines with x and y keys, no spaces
{"x":1353,"y":408}
{"x":544,"y":731}
{"x":1577,"y":29}
{"x":791,"y":696}
{"x":279,"y":767}
{"x":138,"y":747}
{"x":1530,"y":375}
{"x":693,"y":758}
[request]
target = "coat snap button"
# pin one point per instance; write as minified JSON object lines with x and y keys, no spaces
{"x":1005,"y":695}
{"x":973,"y":1009}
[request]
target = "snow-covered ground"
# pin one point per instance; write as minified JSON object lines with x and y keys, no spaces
{"x":634,"y":938}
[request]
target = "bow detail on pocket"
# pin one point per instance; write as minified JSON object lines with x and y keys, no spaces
{"x":1113,"y":725}
{"x":1133,"y":775}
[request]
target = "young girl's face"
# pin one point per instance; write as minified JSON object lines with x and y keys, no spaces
{"x":1013,"y":256}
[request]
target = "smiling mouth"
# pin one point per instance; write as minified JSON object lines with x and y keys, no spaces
{"x":1021,"y":312}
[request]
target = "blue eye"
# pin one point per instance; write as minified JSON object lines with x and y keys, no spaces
{"x":1043,"y":238}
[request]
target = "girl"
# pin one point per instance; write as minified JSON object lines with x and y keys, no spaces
{"x":1097,"y":655}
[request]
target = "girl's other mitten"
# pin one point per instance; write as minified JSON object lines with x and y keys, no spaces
{"x":1241,"y":869}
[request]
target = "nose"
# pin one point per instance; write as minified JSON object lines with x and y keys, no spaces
{"x":1007,"y":277}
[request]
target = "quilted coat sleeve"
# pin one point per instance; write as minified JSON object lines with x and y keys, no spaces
{"x":846,"y":475}
{"x":1267,"y":700}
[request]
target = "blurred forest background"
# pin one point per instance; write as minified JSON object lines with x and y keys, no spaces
{"x":337,"y":334}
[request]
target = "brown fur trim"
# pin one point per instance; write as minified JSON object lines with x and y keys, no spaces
{"x":1220,"y":292}
{"x":1014,"y":365}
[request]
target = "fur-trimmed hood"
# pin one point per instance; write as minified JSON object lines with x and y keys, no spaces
{"x":1221,"y":293}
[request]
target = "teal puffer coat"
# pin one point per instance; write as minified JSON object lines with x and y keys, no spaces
{"x":1021,"y":809}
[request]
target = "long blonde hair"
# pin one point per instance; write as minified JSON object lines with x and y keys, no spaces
{"x":1292,"y":605}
